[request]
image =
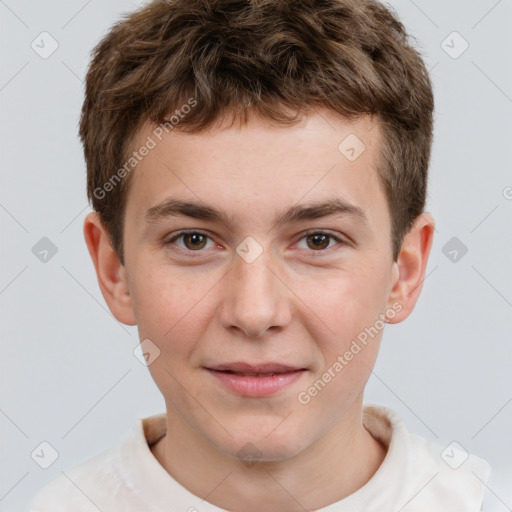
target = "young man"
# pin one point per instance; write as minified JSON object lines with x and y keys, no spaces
{"x":258,"y":171}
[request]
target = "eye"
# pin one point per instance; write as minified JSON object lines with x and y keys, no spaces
{"x":196,"y":241}
{"x":193,"y":241}
{"x":319,"y":240}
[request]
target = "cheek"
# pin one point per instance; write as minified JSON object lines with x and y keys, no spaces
{"x":169,"y":305}
{"x":346,"y":301}
{"x":350,"y":305}
{"x":348,"y":354}
{"x":171,"y":312}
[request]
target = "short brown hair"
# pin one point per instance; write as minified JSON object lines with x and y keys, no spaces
{"x":277,"y":58}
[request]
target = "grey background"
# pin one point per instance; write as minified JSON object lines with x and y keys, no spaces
{"x":68,"y":373}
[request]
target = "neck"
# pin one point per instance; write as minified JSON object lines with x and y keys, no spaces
{"x":330,"y":469}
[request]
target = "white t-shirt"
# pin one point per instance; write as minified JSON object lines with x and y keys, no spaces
{"x":415,"y":476}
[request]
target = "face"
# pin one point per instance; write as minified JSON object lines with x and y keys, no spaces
{"x":256,"y":250}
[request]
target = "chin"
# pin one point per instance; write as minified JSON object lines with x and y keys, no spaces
{"x":264,"y":445}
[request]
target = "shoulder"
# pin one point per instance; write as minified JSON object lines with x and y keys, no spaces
{"x":457,"y":475}
{"x":80,"y":488}
{"x":433,"y":475}
{"x":109,"y":480}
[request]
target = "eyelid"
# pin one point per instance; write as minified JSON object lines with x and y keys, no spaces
{"x":183,"y":232}
{"x":341,"y":241}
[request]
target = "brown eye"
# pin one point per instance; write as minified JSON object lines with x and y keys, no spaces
{"x":194,"y":241}
{"x":321,"y":242}
{"x":318,"y":241}
{"x":190,"y":241}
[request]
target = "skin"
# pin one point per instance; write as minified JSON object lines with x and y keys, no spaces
{"x":295,"y":304}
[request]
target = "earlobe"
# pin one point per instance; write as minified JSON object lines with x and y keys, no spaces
{"x":110,"y":272}
{"x":409,"y":269}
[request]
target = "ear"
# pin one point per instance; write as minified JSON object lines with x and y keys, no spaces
{"x":409,"y":269}
{"x":109,"y":270}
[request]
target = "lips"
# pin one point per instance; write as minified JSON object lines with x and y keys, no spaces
{"x":256,"y":380}
{"x":248,"y":370}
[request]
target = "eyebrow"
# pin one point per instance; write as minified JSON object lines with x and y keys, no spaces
{"x":172,"y":207}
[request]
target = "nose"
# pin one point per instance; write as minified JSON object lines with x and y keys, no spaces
{"x":254,"y":299}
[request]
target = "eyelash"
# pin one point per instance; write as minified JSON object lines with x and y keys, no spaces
{"x":188,"y":252}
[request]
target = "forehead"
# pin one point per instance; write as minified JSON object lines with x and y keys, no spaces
{"x":260,"y":166}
